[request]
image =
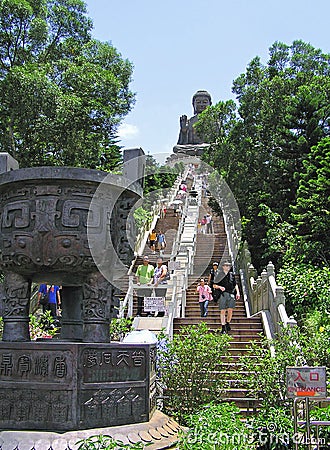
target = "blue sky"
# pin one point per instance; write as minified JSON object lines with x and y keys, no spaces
{"x":179,"y":46}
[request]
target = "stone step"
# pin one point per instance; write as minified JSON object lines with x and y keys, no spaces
{"x":210,"y":321}
{"x":242,"y":343}
{"x":239,"y":351}
{"x":237,"y":334}
{"x":238,"y":317}
{"x":192,"y":312}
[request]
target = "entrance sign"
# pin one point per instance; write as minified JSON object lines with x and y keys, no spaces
{"x":154,"y":304}
{"x":306,"y":382}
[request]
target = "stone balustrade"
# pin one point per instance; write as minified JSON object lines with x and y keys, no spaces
{"x":262,"y":293}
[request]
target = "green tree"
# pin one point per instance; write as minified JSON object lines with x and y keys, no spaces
{"x":311,"y":212}
{"x":282,"y":113}
{"x":159,"y":178}
{"x":307,"y":287}
{"x":63,"y":94}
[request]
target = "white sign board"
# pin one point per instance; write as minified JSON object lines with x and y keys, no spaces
{"x":174,"y":265}
{"x":154,"y":304}
{"x":306,"y":382}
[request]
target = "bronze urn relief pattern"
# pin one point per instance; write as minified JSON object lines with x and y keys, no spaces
{"x":45,"y":223}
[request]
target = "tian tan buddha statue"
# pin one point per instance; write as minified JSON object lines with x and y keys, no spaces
{"x":189,"y":142}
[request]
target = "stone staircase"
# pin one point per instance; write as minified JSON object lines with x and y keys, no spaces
{"x":244,"y":330}
{"x":169,"y":226}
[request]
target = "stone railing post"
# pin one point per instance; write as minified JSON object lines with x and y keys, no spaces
{"x":279,"y":296}
{"x":258,"y":294}
{"x":270,"y":269}
{"x":264,"y":290}
{"x":253,"y":293}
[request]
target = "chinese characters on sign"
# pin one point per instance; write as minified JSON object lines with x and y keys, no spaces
{"x":154,"y":304}
{"x":25,"y":366}
{"x":306,"y":382}
{"x":108,"y":366}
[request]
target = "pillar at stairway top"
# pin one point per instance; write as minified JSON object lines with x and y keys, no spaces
{"x":134,"y":164}
{"x":7,"y":162}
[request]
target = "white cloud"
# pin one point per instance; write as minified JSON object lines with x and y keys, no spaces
{"x":128,"y":131}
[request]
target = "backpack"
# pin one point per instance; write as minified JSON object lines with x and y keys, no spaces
{"x":44,"y":300}
{"x":167,"y":276}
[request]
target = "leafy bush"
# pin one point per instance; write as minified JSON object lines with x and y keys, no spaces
{"x":306,"y":287}
{"x":272,"y":428}
{"x":264,"y":375}
{"x":141,"y":216}
{"x":316,"y":335}
{"x":189,"y":369}
{"x":322,"y":414}
{"x":120,"y":327}
{"x":104,"y":442}
{"x":42,"y":326}
{"x":215,"y":427}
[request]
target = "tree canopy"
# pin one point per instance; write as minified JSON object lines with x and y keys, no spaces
{"x":262,"y":146}
{"x":62,"y":93}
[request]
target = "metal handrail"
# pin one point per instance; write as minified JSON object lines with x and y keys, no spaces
{"x":140,"y":243}
{"x":184,"y":292}
{"x":308,"y":423}
{"x":172,"y":309}
{"x":128,"y":300}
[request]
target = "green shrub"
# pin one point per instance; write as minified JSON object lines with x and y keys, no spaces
{"x":306,"y":288}
{"x":104,"y":442}
{"x":272,"y":428}
{"x":316,"y":335}
{"x":189,"y":369}
{"x":141,"y":216}
{"x":322,"y":414}
{"x":263,"y":372}
{"x":42,"y":326}
{"x":120,"y":327}
{"x":215,"y":427}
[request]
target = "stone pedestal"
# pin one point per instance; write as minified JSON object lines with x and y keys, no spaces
{"x":72,"y":386}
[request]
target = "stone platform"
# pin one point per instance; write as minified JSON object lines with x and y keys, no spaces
{"x":160,"y":432}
